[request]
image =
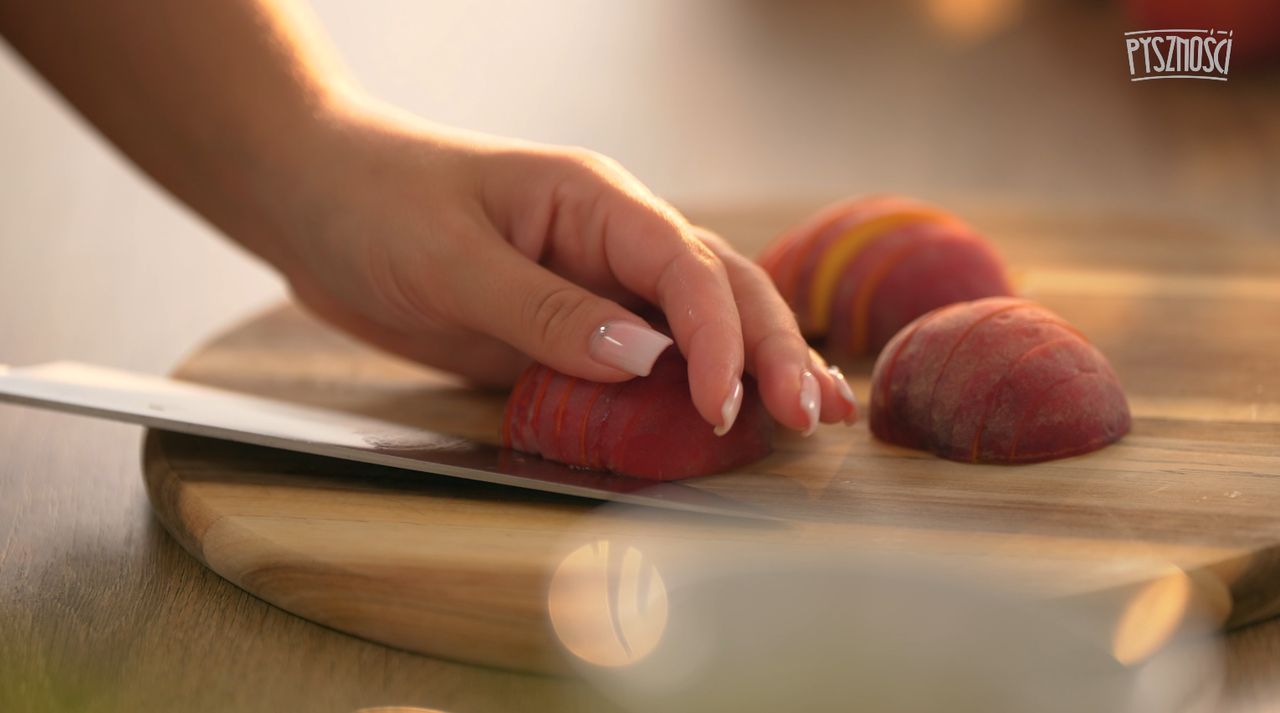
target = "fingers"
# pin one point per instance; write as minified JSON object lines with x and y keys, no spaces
{"x":652,"y":252}
{"x":600,"y":224}
{"x":553,"y":320}
{"x":797,"y":385}
{"x":838,"y":401}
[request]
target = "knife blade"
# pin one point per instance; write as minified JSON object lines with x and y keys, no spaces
{"x":184,"y":407}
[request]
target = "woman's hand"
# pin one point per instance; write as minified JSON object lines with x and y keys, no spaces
{"x":460,"y":251}
{"x":466,"y":253}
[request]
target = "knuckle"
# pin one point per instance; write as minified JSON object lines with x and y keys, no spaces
{"x":553,"y":313}
{"x":713,"y":241}
{"x":751,"y":270}
{"x":582,"y":179}
{"x":600,"y":163}
{"x":700,"y":259}
{"x":589,"y":162}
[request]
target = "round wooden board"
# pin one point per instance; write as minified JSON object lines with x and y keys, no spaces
{"x":462,"y":570}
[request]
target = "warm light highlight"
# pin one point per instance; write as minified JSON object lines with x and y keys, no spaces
{"x":1152,"y":617}
{"x":608,"y":604}
{"x":972,"y":20}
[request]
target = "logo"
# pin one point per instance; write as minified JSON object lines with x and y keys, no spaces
{"x":1178,"y":54}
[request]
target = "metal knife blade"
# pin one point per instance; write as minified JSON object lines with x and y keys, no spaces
{"x":184,"y":407}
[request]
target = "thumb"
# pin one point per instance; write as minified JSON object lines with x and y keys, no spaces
{"x":557,"y":322}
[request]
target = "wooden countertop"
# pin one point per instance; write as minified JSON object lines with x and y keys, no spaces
{"x":98,"y":604}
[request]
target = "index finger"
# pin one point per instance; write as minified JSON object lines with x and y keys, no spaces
{"x":653,"y":252}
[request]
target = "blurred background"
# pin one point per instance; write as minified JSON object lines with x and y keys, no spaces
{"x":713,"y":103}
{"x":1003,"y":104}
{"x":719,"y":102}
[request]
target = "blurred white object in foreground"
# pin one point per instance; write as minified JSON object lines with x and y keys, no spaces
{"x":673,"y":625}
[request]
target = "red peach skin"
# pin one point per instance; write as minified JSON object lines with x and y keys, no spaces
{"x":893,"y":259}
{"x":996,"y":380}
{"x":644,"y":428}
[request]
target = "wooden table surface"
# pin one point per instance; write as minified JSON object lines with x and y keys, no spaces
{"x":100,"y":610}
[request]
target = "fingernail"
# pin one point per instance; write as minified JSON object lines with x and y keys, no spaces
{"x":846,"y":394}
{"x":628,"y":346}
{"x":809,"y":399}
{"x":729,"y":411}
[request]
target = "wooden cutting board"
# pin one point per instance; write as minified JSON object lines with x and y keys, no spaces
{"x":1189,"y":316}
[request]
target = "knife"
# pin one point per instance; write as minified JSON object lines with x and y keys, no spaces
{"x":184,"y":407}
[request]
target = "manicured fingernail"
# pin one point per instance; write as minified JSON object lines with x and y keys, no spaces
{"x":846,"y":394}
{"x":729,"y":411}
{"x":628,"y":346}
{"x":810,"y":400}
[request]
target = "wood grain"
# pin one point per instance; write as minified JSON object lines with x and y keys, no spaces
{"x":461,"y":570}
